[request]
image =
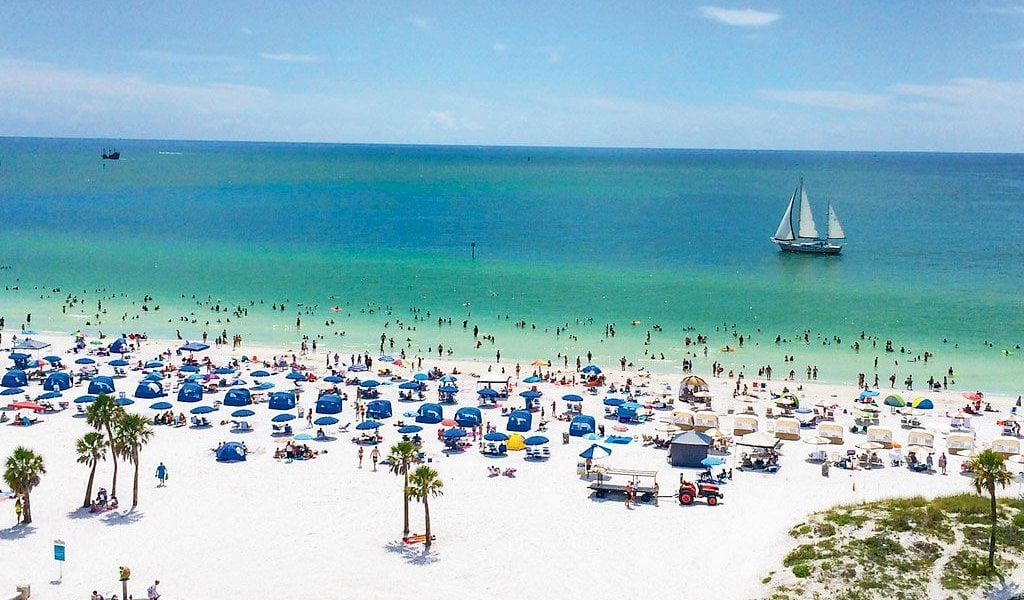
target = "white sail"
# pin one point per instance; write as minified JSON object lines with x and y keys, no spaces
{"x":785,"y":230}
{"x":806,"y":229}
{"x":835,"y":230}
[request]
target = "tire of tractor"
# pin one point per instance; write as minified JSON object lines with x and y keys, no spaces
{"x":712,"y":500}
{"x":686,"y":499}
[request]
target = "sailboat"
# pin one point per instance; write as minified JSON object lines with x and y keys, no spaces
{"x":798,"y":232}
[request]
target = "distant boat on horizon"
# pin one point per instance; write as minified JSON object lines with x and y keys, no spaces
{"x":798,"y":232}
{"x":111,"y":155}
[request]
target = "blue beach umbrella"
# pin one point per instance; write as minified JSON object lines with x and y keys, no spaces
{"x":52,"y":359}
{"x":202,"y":410}
{"x":712,"y":461}
{"x":572,"y":398}
{"x":296,"y":376}
{"x":153,"y":377}
{"x":409,"y":385}
{"x":613,"y":401}
{"x":281,"y":418}
{"x":12,"y":392}
{"x":243,"y":412}
{"x":329,"y":379}
{"x":535,"y":440}
{"x":421,"y":377}
{"x":531,"y":394}
{"x":190,"y":369}
{"x":591,"y":370}
{"x":369,"y":424}
{"x":369,"y":383}
{"x":326,"y":421}
{"x":495,"y":436}
{"x":532,"y":379}
{"x":125,"y":401}
{"x":161,"y":406}
{"x":596,"y":451}
{"x":448,"y":389}
{"x":449,"y":379}
{"x":85,"y":360}
{"x":266,"y":385}
{"x":454,"y":433}
{"x":120,"y":362}
{"x":488,"y":393}
{"x":85,"y":399}
{"x":261,"y":373}
{"x":410,"y":429}
{"x":153,"y":364}
{"x":50,"y":395}
{"x":223,"y":370}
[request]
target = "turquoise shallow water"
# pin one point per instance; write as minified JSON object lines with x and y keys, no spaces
{"x":676,"y":238}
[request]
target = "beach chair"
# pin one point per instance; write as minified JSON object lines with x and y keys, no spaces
{"x":80,"y":409}
{"x":545,"y":452}
{"x":344,"y":428}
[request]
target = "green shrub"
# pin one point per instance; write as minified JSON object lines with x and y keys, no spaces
{"x":801,"y":553}
{"x":824,"y":530}
{"x":802,"y":570}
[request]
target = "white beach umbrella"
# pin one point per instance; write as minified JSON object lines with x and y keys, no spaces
{"x":819,"y":441}
{"x":1016,"y":458}
{"x":920,"y":449}
{"x":870,"y":446}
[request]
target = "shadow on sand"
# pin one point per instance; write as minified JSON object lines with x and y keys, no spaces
{"x":414,"y":554}
{"x":17,"y":532}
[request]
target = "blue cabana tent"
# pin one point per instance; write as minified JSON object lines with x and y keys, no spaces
{"x":429,"y":413}
{"x":57,"y":381}
{"x":119,"y":346}
{"x":328,"y":404}
{"x":519,"y":420}
{"x":281,"y":401}
{"x":231,"y":452}
{"x":149,"y":389}
{"x":14,"y":378}
{"x":582,"y":425}
{"x":194,"y":347}
{"x":101,"y":385}
{"x":237,"y":397}
{"x":190,"y":392}
{"x":468,"y":416}
{"x":627,"y":411}
{"x":378,"y":409}
{"x":20,"y":359}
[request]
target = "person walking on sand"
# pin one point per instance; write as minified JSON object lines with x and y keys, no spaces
{"x":629,"y":493}
{"x":657,"y":489}
{"x":152,"y":593}
{"x":360,"y":455}
{"x":374,"y":456}
{"x":161,"y":475}
{"x":942,"y":462}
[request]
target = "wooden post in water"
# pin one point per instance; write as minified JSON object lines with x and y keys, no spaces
{"x":473,"y":246}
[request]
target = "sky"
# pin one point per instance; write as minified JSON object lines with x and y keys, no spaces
{"x":815,"y":75}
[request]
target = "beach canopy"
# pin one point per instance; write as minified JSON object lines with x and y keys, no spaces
{"x":190,"y":392}
{"x":194,"y":347}
{"x":613,"y":401}
{"x":202,"y":410}
{"x":595,"y":452}
{"x":119,"y":362}
{"x":535,"y":440}
{"x":153,"y":364}
{"x":283,"y":417}
{"x":378,"y":409}
{"x":326,"y":421}
{"x":14,"y":378}
{"x":125,"y":401}
{"x":582,"y":425}
{"x":328,"y":404}
{"x":57,"y":381}
{"x":409,"y":429}
{"x":296,"y":376}
{"x":689,"y":449}
{"x":487,"y":392}
{"x":261,"y":373}
{"x":368,"y":424}
{"x":922,"y":403}
{"x":468,"y":416}
{"x":454,"y":433}
{"x":429,"y":413}
{"x":85,"y":360}
{"x":29,"y":344}
{"x":85,"y":399}
{"x":237,"y":397}
{"x":591,"y":370}
{"x":101,"y":384}
{"x":119,"y":346}
{"x":12,"y":391}
{"x":495,"y":436}
{"x":231,"y":452}
{"x":328,"y":379}
{"x":149,"y":389}
{"x":531,"y":394}
{"x":161,"y":406}
{"x":572,"y":398}
{"x":894,"y":400}
{"x":532,"y":379}
{"x":409,"y":385}
{"x":281,"y":401}
{"x":519,"y":420}
{"x":243,"y":412}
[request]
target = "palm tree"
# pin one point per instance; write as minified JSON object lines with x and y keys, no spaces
{"x":132,"y":433}
{"x":989,"y":470}
{"x":423,"y":483}
{"x":91,"y":449}
{"x":101,"y":414}
{"x":401,"y":455}
{"x":22,"y":472}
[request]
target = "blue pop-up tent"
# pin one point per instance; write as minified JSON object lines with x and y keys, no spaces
{"x":119,"y":346}
{"x":101,"y":385}
{"x":231,"y":452}
{"x":328,"y":404}
{"x":190,"y":392}
{"x":519,"y":420}
{"x":149,"y":389}
{"x":194,"y":347}
{"x":429,"y":413}
{"x":282,"y":401}
{"x":378,"y":409}
{"x":57,"y":381}
{"x":627,"y":411}
{"x":582,"y":425}
{"x":468,"y":416}
{"x":14,"y":378}
{"x":237,"y":397}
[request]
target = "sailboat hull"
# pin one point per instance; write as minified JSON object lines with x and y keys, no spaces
{"x":814,"y":247}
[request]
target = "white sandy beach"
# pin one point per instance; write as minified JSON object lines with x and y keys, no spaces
{"x":325,"y":528}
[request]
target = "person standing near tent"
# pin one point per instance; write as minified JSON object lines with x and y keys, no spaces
{"x":161,"y":474}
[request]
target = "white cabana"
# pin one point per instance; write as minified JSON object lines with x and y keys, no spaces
{"x":882,"y":435}
{"x":832,"y":431}
{"x":744,"y":424}
{"x":704,"y":420}
{"x":921,"y":437}
{"x":1007,"y":446}
{"x":683,"y":419}
{"x":787,"y":428}
{"x":959,"y":442}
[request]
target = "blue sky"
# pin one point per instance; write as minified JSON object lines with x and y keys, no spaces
{"x":856,"y":75}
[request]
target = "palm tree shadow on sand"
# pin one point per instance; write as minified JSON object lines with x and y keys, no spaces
{"x":17,"y":532}
{"x":414,"y":554}
{"x":127,"y":517}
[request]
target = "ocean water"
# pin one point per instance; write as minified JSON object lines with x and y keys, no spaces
{"x":567,"y":241}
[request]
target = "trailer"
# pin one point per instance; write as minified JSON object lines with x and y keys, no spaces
{"x":614,"y":481}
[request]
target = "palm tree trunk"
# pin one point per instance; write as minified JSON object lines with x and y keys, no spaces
{"x":113,"y":457}
{"x":405,"y":495}
{"x":135,"y":490}
{"x":426,"y":515}
{"x":26,"y":507}
{"x":88,"y":487}
{"x":992,"y":532}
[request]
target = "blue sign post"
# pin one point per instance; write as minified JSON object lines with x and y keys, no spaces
{"x":58,"y":555}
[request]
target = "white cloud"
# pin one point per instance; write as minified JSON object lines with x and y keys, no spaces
{"x":835,"y":99}
{"x":289,"y":57}
{"x":746,"y":17}
{"x":418,"y":22}
{"x":968,"y":92}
